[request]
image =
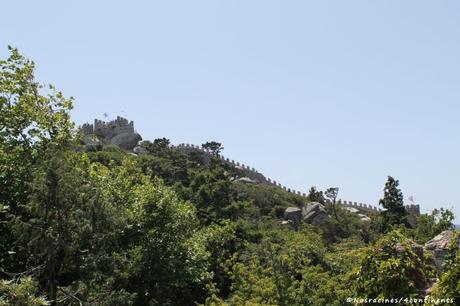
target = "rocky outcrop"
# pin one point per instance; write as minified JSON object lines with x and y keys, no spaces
{"x":139,"y":150}
{"x":293,"y":216}
{"x":365,"y":218}
{"x":438,"y":247}
{"x":314,"y":213}
{"x":126,"y":141}
{"x":254,"y":176}
{"x":352,"y":209}
{"x":246,"y":180}
{"x":361,"y":215}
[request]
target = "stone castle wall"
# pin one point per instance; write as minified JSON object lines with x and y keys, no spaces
{"x":108,"y":129}
{"x":113,"y":128}
{"x":118,"y":132}
{"x":119,"y":126}
{"x":413,"y":210}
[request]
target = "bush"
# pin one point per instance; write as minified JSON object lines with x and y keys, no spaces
{"x":391,"y":268}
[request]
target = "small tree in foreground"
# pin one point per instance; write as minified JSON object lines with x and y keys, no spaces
{"x":448,"y":285}
{"x":21,"y":292}
{"x":391,"y":268}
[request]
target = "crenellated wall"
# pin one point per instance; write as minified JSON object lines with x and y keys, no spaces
{"x":360,"y":206}
{"x":119,"y":126}
{"x":114,"y":127}
{"x":268,"y":181}
{"x":87,"y":129}
{"x":108,"y":129}
{"x":119,"y":132}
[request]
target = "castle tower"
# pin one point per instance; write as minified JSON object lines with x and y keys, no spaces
{"x":119,"y":132}
{"x":413,"y":211}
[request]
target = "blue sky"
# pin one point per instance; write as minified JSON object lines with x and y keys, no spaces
{"x":324,"y":93}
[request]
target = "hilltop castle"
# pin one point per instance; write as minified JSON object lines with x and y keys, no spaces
{"x":119,"y":132}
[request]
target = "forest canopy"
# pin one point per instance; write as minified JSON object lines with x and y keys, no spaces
{"x":174,"y":227}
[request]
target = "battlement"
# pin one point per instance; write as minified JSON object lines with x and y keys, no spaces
{"x":103,"y":128}
{"x":114,"y":127}
{"x":118,"y":132}
{"x":413,"y":207}
{"x":360,"y":206}
{"x":268,"y":181}
{"x":87,"y":129}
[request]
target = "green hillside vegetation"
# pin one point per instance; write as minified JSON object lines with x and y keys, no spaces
{"x":173,"y":227}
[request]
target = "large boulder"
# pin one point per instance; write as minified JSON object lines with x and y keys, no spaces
{"x":315,"y":213}
{"x":352,"y":209}
{"x":140,"y":150}
{"x":293,"y":215}
{"x":253,"y":175}
{"x":438,"y":247}
{"x":91,"y":143}
{"x":364,"y":218}
{"x":246,"y":180}
{"x":415,"y":247}
{"x":126,"y":141}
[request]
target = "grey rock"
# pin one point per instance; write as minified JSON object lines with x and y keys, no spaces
{"x":255,"y":176}
{"x":438,"y":248}
{"x":315,"y":213}
{"x":126,"y":141}
{"x":246,"y":180}
{"x":363,"y":217}
{"x":293,"y":215}
{"x":352,"y":210}
{"x":140,"y":150}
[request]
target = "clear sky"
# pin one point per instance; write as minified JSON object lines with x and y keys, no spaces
{"x":325,"y":93}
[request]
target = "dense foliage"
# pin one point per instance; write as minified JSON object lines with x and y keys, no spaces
{"x":393,"y":203}
{"x":175,"y":226}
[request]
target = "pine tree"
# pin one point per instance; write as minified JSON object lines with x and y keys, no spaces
{"x":316,"y":196}
{"x":393,"y":203}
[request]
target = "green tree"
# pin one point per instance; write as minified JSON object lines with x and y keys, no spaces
{"x":391,"y":268}
{"x":33,"y":119}
{"x":393,"y":203}
{"x":315,"y":196}
{"x":164,"y":255}
{"x":58,"y":219}
{"x":448,"y":285}
{"x":331,"y":193}
{"x":430,"y":225}
{"x":286,"y":268}
{"x":21,"y":292}
{"x":213,"y":146}
{"x":213,"y":195}
{"x":160,"y":147}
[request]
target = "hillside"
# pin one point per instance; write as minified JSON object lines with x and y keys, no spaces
{"x":96,"y":216}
